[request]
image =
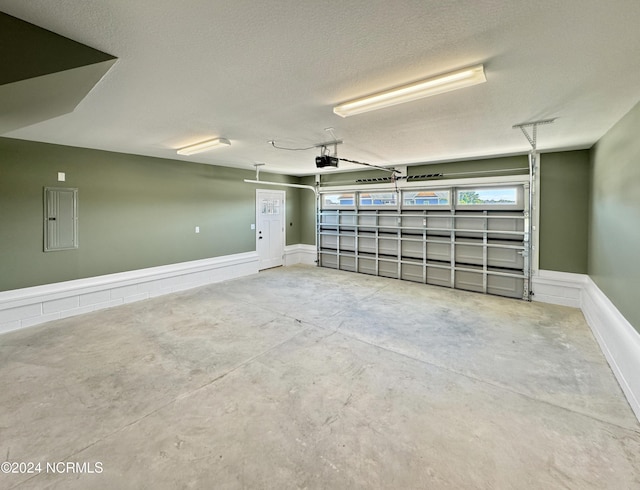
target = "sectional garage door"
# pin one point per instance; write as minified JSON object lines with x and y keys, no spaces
{"x":472,"y":238}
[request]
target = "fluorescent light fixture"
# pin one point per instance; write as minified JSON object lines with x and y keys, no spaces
{"x":413,"y":91}
{"x":204,"y":146}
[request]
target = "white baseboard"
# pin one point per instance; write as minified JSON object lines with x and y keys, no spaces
{"x":300,"y":254}
{"x":25,"y":307}
{"x":558,"y":288}
{"x":619,"y":341}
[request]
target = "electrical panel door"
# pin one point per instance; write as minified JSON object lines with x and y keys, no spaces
{"x":60,"y":218}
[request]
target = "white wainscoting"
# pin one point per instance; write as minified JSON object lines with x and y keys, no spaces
{"x":300,"y":254}
{"x":25,"y":307}
{"x":618,"y":340}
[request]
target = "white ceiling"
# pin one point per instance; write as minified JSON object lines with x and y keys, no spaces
{"x":253,"y":71}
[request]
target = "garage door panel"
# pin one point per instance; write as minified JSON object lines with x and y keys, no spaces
{"x":412,"y":249}
{"x":367,"y":222}
{"x":328,"y":260}
{"x":388,"y":246}
{"x":330,"y":218}
{"x":348,"y":220}
{"x":505,"y":286}
{"x":347,"y":263}
{"x":411,"y":272}
{"x":329,"y":241}
{"x":505,"y":257}
{"x":413,"y":221}
{"x":439,"y":251}
{"x":367,"y":245}
{"x":469,"y":253}
{"x":348,"y":243}
{"x":439,"y":222}
{"x":367,"y":266}
{"x":388,"y":224}
{"x":505,"y":224}
{"x":388,"y":269}
{"x":514,"y":226}
{"x":438,"y":276}
{"x":470,"y":223}
{"x":469,"y":281}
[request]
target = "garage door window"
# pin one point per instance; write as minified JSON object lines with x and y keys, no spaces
{"x":490,"y":198}
{"x":378,"y":199}
{"x":341,"y":200}
{"x":426,"y":198}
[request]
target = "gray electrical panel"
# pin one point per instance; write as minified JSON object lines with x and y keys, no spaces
{"x":60,"y":218}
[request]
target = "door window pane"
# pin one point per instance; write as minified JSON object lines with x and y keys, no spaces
{"x":485,"y":196}
{"x":338,"y":200}
{"x":270,"y":206}
{"x":426,"y":198}
{"x":378,"y":199}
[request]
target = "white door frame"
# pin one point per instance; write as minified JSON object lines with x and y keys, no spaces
{"x":283,"y":196}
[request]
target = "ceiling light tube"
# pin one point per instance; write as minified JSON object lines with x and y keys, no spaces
{"x":204,"y":146}
{"x":413,"y":91}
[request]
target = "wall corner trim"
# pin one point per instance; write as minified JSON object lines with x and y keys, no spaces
{"x":558,"y":288}
{"x":21,"y":308}
{"x":619,"y":341}
{"x":300,"y":254}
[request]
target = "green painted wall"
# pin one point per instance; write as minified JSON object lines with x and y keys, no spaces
{"x":564,"y":211}
{"x":614,"y":226}
{"x":475,"y":168}
{"x":307,"y":210}
{"x":134,"y":212}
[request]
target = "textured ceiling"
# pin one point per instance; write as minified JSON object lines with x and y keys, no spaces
{"x":257,"y":71}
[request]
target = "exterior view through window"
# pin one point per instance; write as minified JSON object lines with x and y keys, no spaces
{"x":426,"y":198}
{"x":378,"y":199}
{"x":488,"y":196}
{"x":336,"y":200}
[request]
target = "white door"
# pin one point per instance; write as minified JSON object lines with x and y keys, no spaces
{"x":270,"y":207}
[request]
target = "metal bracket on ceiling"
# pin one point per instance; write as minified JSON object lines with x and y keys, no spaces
{"x":334,"y":143}
{"x":257,"y":165}
{"x":532,"y":138}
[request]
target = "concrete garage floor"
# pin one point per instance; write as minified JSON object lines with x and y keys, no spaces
{"x":303,"y":377}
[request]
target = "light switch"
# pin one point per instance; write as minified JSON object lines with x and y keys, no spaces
{"x":253,"y":226}
{"x":197,"y":229}
{"x":61,"y":177}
